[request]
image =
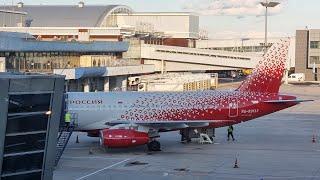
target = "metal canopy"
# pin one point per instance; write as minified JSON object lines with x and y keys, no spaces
{"x":269,"y":4}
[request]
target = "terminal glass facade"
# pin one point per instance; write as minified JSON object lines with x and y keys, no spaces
{"x":46,"y":61}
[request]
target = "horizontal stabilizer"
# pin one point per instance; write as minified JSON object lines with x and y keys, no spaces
{"x":286,"y":101}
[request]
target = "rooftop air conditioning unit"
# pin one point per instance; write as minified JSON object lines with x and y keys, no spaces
{"x":81,"y":4}
{"x":20,"y":4}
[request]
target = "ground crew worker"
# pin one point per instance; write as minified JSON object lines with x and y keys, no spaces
{"x":67,"y":119}
{"x":230,"y":133}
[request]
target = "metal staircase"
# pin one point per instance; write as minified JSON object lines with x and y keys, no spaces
{"x":63,"y":139}
{"x":65,"y":131}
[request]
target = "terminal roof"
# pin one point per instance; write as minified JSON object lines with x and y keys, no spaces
{"x":23,"y":42}
{"x":68,"y":15}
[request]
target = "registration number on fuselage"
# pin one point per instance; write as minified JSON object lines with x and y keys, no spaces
{"x":249,"y":111}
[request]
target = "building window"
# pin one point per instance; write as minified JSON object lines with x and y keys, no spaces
{"x":314,"y":59}
{"x":314,"y":44}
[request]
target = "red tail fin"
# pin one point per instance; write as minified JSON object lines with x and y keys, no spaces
{"x":267,"y":76}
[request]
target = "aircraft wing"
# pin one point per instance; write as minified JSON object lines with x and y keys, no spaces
{"x":285,"y":101}
{"x":174,"y":125}
{"x":170,"y":124}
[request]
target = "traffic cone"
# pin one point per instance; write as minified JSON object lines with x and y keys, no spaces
{"x":313,"y":139}
{"x":236,"y":163}
{"x":77,"y":140}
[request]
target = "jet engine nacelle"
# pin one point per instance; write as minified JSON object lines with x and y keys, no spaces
{"x":122,"y":138}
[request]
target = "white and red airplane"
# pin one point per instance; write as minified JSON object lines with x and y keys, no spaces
{"x":126,"y":119}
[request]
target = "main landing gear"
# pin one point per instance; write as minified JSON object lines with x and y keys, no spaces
{"x":186,"y":135}
{"x":154,"y":145}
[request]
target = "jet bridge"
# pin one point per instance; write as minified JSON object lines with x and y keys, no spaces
{"x":172,"y":58}
{"x":30,"y":106}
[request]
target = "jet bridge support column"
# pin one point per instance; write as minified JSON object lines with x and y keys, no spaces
{"x":124,"y":83}
{"x":106,"y":85}
{"x":86,"y":87}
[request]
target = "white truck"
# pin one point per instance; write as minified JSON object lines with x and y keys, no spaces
{"x":296,"y":77}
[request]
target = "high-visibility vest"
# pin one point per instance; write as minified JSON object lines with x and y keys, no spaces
{"x":67,"y":117}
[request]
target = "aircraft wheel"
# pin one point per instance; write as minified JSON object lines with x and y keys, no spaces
{"x":154,"y":146}
{"x":101,"y":142}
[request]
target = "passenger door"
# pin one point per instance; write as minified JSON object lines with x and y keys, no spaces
{"x":233,"y":106}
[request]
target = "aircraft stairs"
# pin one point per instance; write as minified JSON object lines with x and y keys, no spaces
{"x":64,"y":135}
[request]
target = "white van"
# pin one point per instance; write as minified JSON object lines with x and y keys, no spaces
{"x":296,"y":77}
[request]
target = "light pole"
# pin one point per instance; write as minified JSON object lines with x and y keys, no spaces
{"x":267,"y":4}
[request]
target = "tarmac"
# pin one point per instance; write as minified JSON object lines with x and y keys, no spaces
{"x":278,"y":146}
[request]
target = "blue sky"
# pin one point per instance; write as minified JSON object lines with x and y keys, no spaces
{"x":226,"y":18}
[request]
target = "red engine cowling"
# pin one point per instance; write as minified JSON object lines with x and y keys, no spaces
{"x":122,"y":138}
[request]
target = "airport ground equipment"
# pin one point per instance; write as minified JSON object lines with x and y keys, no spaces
{"x":313,"y":139}
{"x":174,"y":82}
{"x":30,"y":108}
{"x":205,"y":139}
{"x":64,"y":135}
{"x":236,"y":163}
{"x":196,"y":133}
{"x":63,"y":139}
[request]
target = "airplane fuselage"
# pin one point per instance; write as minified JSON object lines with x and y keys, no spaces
{"x":218,"y":108}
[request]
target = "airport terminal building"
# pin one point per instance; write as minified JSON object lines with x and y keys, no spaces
{"x":99,"y":42}
{"x":99,"y":23}
{"x":90,"y":66}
